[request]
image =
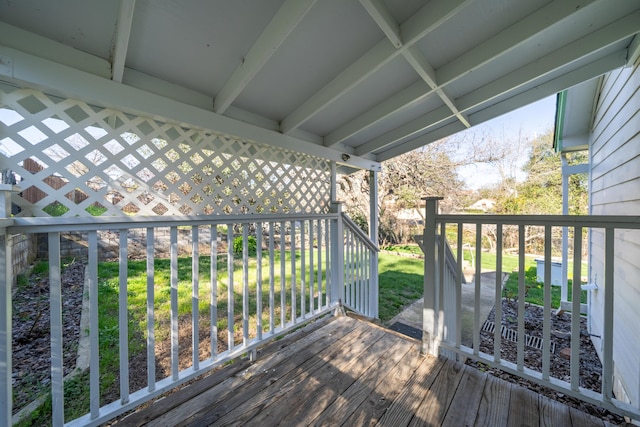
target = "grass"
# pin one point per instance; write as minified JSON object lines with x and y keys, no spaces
{"x":77,"y":390}
{"x":534,"y":290}
{"x":401,"y":278}
{"x":400,"y":283}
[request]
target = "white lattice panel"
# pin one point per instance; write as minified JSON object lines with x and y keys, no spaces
{"x":75,"y":159}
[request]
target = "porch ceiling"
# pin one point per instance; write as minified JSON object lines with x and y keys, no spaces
{"x":371,"y":79}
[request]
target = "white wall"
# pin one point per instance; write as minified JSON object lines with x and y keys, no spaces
{"x":615,"y":190}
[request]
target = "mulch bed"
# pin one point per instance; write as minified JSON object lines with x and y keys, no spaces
{"x":31,"y":338}
{"x":590,"y":366}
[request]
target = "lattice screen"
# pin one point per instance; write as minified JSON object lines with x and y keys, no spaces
{"x":72,"y":159}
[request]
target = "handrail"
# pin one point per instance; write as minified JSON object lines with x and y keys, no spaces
{"x":361,"y":234}
{"x":586,"y":221}
{"x":55,"y":224}
{"x":448,"y":253}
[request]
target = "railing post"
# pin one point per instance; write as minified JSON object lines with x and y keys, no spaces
{"x":6,"y":281}
{"x":431,"y":309}
{"x":337,"y":255}
{"x":373,"y":234}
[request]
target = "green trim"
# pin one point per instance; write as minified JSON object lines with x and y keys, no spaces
{"x":561,"y":103}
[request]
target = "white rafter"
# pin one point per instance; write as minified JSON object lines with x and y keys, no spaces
{"x":497,"y":46}
{"x":283,"y":23}
{"x":380,"y":13}
{"x":551,"y":87}
{"x":421,"y":65}
{"x":567,"y":54}
{"x":510,"y":38}
{"x":406,"y":98}
{"x":123,"y":31}
{"x":432,"y":15}
{"x":407,"y":130}
{"x":514,"y":80}
{"x":412,"y":54}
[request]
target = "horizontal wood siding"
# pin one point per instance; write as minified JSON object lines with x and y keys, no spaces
{"x":615,"y":190}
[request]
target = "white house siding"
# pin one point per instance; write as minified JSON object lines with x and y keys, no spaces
{"x":615,"y":190}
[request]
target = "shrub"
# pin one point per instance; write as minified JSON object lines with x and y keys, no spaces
{"x":252,"y":245}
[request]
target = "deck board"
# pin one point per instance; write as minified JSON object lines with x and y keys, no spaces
{"x":343,"y":371}
{"x":467,"y":399}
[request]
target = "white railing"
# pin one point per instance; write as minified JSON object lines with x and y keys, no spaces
{"x":360,"y":270}
{"x":450,"y":280}
{"x":439,"y":324}
{"x":250,"y":279}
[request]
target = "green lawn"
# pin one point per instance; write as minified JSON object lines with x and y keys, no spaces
{"x":400,"y":283}
{"x":77,"y":390}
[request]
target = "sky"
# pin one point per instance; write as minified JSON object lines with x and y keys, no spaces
{"x":529,"y":121}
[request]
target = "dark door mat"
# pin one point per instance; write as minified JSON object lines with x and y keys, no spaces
{"x":407,"y":330}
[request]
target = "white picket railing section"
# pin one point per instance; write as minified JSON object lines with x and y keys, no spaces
{"x":360,"y":270}
{"x":442,"y":331}
{"x":300,"y":270}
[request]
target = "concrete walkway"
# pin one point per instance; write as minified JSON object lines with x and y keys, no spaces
{"x":409,"y":321}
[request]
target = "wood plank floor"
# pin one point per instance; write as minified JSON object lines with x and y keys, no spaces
{"x":343,"y":371}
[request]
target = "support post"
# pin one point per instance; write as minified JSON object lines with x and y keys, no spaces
{"x":564,"y":289}
{"x":6,"y":398}
{"x":337,"y":255}
{"x":373,"y":234}
{"x":431,"y":309}
{"x":6,"y":281}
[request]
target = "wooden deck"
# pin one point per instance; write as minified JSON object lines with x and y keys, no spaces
{"x":343,"y":371}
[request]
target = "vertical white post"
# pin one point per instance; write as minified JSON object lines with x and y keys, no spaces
{"x":259,"y":280}
{"x":173,"y":253}
{"x":607,"y":334}
{"x":94,"y":331}
{"x":429,"y":314}
{"x":575,"y":308}
{"x":55,"y":304}
{"x":245,"y":284}
{"x":283,"y":272}
{"x":497,"y":337}
{"x":337,"y":255}
{"x":213,"y":297}
{"x":294,"y":284}
{"x":303,"y":268}
{"x":521,"y":297}
{"x":123,"y":318}
{"x":6,"y":280}
{"x":6,"y":390}
{"x":373,"y":234}
{"x":230,"y":290}
{"x":477,"y":291}
{"x":195,"y":297}
{"x":334,"y":183}
{"x":151,"y":338}
{"x":565,"y":232}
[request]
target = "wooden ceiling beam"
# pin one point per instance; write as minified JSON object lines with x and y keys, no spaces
{"x":492,"y":49}
{"x":279,"y":28}
{"x":123,"y":32}
{"x":432,"y":15}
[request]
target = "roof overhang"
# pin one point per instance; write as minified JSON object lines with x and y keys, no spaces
{"x":574,"y":116}
{"x":363,"y":80}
